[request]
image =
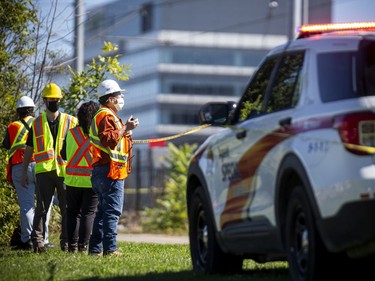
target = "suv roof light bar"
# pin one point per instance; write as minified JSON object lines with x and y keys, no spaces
{"x":314,"y":29}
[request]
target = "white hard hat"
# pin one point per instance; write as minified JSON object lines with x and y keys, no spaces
{"x":25,"y":101}
{"x":108,"y":87}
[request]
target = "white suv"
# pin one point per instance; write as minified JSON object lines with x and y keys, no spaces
{"x":292,"y":174}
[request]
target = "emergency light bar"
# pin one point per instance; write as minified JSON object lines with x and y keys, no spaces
{"x":313,"y":29}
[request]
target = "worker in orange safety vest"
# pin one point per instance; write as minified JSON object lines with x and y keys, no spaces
{"x":112,"y":148}
{"x":15,"y":142}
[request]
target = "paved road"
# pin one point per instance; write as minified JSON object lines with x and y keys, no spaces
{"x":152,"y":238}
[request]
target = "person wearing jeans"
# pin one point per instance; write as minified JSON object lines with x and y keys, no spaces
{"x":112,"y":149}
{"x":15,"y":141}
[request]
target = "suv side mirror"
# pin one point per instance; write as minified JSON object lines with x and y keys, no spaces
{"x":216,"y":113}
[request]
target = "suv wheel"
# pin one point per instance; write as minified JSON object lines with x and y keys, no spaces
{"x":206,"y":254}
{"x":306,"y":253}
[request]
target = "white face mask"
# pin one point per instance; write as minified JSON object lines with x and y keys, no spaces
{"x":119,"y":104}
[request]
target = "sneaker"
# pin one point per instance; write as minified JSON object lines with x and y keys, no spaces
{"x":49,"y":245}
{"x":40,"y":250}
{"x":116,"y":253}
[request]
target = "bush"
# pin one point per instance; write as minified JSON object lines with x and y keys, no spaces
{"x":9,"y":209}
{"x":170,"y":214}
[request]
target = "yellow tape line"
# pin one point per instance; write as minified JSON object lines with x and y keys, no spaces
{"x":368,"y":149}
{"x":174,"y":136}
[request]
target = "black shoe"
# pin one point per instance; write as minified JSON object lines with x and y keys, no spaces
{"x":40,"y":250}
{"x":82,"y":248}
{"x":64,"y":247}
{"x":50,"y":245}
{"x":26,"y":246}
{"x":73,"y":248}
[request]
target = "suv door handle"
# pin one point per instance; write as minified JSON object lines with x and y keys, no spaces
{"x":285,"y":121}
{"x":241,"y":135}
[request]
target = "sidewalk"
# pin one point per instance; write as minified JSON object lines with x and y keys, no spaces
{"x":152,"y":238}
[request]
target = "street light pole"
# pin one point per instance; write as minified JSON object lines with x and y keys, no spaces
{"x":79,"y":34}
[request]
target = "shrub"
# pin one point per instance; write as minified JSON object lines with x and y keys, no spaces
{"x":170,"y":214}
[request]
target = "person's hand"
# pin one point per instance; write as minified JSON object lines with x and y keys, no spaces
{"x":131,"y":123}
{"x":24,"y":180}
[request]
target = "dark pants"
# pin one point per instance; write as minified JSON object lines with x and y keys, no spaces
{"x":46,"y":185}
{"x":81,"y":208}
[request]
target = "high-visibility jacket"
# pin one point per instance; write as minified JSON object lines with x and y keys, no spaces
{"x":78,"y":156}
{"x":119,"y":164}
{"x":18,"y":135}
{"x":47,"y":157}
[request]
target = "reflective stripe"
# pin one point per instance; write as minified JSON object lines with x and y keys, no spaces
{"x":44,"y":156}
{"x":117,"y":155}
{"x":82,"y":151}
{"x":19,"y":141}
{"x":47,"y":153}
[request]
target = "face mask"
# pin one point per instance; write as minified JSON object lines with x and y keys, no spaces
{"x":53,"y":106}
{"x":119,"y":104}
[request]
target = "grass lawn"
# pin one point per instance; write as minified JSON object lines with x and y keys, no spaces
{"x":140,"y":261}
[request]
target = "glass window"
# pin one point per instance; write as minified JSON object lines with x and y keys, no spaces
{"x":337,"y":76}
{"x":285,"y":90}
{"x":368,"y":54}
{"x":146,"y":17}
{"x":252,"y":100}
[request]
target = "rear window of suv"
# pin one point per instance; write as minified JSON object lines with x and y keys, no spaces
{"x":337,"y":76}
{"x":347,"y":75}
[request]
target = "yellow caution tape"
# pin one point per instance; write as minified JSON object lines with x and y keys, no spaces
{"x":174,"y":136}
{"x":363,"y":148}
{"x":367,"y":149}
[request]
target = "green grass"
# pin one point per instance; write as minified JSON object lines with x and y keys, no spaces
{"x":141,"y":261}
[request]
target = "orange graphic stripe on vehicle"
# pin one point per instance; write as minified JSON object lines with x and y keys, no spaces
{"x":236,"y":206}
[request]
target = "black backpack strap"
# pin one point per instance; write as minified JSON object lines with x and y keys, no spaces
{"x":26,"y":125}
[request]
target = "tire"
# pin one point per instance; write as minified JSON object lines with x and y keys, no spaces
{"x":206,"y":254}
{"x":307,"y":257}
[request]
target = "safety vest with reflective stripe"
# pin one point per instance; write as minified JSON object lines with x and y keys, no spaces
{"x":78,"y":155}
{"x":47,"y":157}
{"x":18,"y":135}
{"x":119,"y":155}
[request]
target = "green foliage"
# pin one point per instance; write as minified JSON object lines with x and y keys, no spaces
{"x":84,"y":84}
{"x":9,"y":210}
{"x":16,"y":18}
{"x":170,"y":213}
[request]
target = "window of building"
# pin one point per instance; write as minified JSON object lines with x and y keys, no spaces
{"x":146,"y":17}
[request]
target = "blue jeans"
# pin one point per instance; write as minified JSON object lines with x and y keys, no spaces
{"x":26,"y":201}
{"x":111,"y":200}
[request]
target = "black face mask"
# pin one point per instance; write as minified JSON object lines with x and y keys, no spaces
{"x":53,"y":106}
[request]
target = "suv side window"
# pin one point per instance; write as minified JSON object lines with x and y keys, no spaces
{"x":337,"y":76}
{"x":252,"y":100}
{"x":285,"y":90}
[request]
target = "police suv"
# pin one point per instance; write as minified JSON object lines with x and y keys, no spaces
{"x":292,"y":175}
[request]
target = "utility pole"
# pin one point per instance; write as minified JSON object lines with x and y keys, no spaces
{"x":79,"y":34}
{"x":299,"y":11}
